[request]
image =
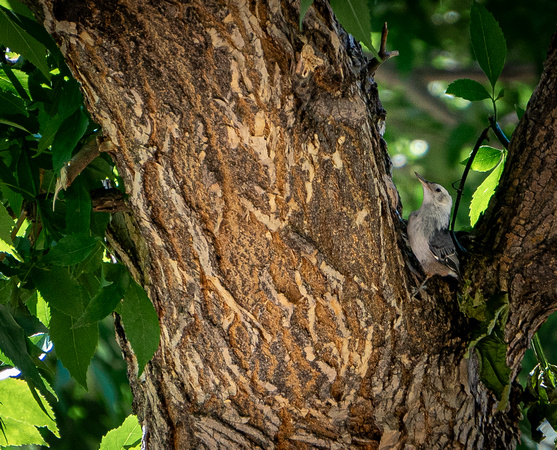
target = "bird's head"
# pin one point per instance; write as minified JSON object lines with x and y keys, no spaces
{"x":435,"y":194}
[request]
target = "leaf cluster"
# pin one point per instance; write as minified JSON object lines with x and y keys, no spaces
{"x":57,"y":278}
{"x":490,"y":48}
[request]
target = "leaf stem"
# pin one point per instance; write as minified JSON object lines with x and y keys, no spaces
{"x":538,"y":351}
{"x":499,"y":132}
{"x":460,"y":189}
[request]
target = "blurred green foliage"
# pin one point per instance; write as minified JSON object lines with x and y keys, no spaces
{"x":428,"y":131}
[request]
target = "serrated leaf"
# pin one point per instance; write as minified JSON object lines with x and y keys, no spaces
{"x":59,"y":289}
{"x":40,"y":309}
{"x":115,"y":281}
{"x":74,"y":346}
{"x":480,"y":198}
{"x":486,"y":159}
{"x":70,"y":250}
{"x":141,"y":324}
{"x":22,"y":415}
{"x":304,"y":6}
{"x":67,"y":137}
{"x":19,"y":40}
{"x":14,"y":81}
{"x":488,"y":42}
{"x":126,"y":436}
{"x":11,"y":105}
{"x":78,"y":207}
{"x":13,"y":343}
{"x":468,"y":89}
{"x":355,"y":17}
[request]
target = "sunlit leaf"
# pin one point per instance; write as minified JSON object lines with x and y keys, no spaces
{"x":486,"y":159}
{"x":13,"y":343}
{"x":480,"y":198}
{"x":126,"y":436}
{"x":22,"y":415}
{"x":488,"y":42}
{"x":18,"y":39}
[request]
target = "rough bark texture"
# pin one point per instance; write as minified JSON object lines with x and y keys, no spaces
{"x":262,"y":230}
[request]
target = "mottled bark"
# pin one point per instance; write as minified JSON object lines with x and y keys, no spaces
{"x":261,"y":228}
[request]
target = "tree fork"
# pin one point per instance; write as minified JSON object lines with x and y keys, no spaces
{"x":254,"y":163}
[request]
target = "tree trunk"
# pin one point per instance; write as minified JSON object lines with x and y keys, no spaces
{"x":263,"y":230}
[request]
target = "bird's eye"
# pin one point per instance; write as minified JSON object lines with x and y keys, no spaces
{"x":438,"y":190}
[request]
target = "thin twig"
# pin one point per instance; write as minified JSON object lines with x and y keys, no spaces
{"x":460,"y":189}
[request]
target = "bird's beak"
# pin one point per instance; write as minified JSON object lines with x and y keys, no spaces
{"x":422,"y":179}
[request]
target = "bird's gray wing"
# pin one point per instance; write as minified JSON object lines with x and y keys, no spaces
{"x":442,"y":246}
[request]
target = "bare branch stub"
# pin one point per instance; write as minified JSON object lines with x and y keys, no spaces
{"x":383,"y":53}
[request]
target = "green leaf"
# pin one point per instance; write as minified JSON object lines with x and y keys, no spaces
{"x":141,"y":324}
{"x":67,"y":137}
{"x":355,"y":17}
{"x":48,"y":132}
{"x":6,"y":225}
{"x":28,"y":174}
{"x":494,"y":371}
{"x":15,"y":81}
{"x":59,"y":289}
{"x":126,"y":436}
{"x":19,"y":126}
{"x":519,"y":111}
{"x":71,"y":250}
{"x":115,"y":281}
{"x":78,"y":207}
{"x":304,"y":6}
{"x":11,"y":105}
{"x":480,"y":199}
{"x":13,"y":343}
{"x":486,"y":159}
{"x":488,"y":42}
{"x":74,"y":346}
{"x":39,"y":308}
{"x":468,"y":89}
{"x":19,"y":40}
{"x":22,"y":415}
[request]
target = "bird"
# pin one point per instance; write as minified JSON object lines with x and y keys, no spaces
{"x":428,"y":232}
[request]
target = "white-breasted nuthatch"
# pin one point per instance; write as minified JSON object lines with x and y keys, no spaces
{"x":428,"y":232}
